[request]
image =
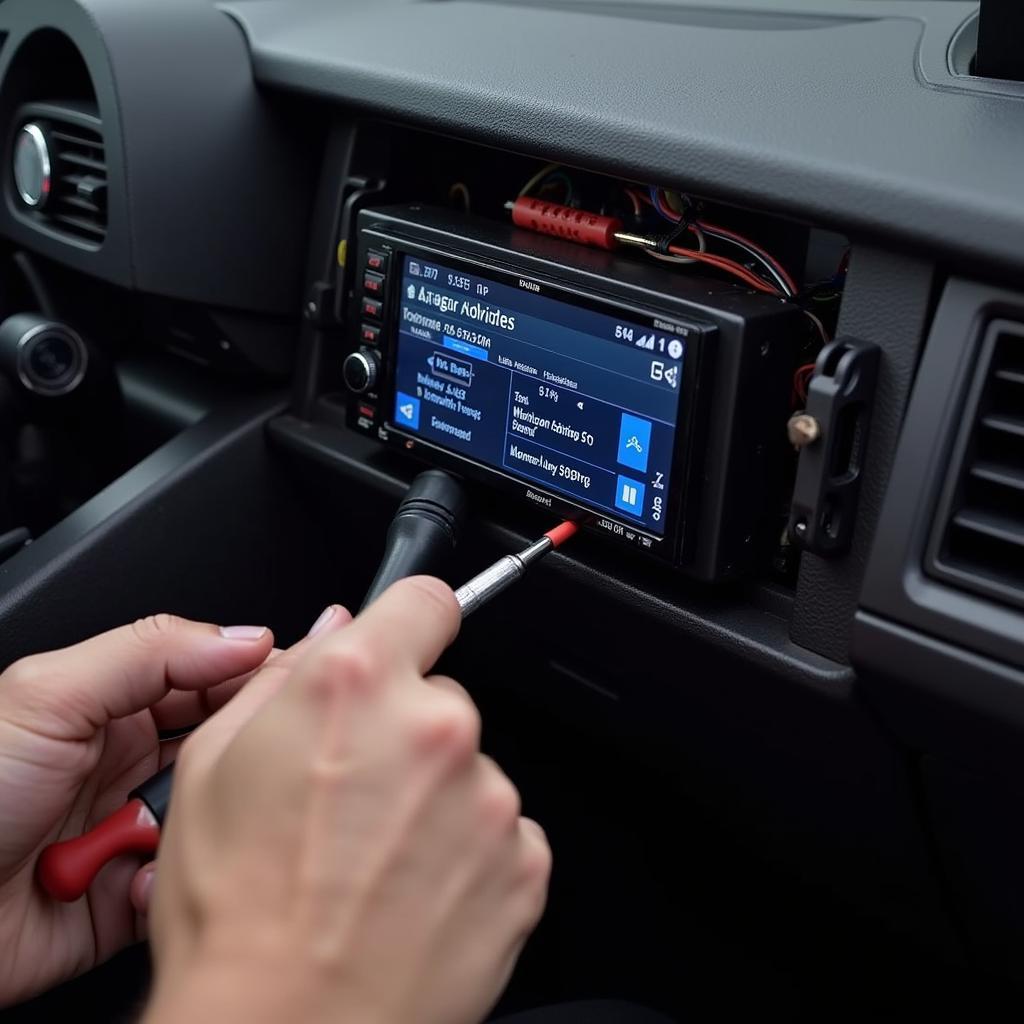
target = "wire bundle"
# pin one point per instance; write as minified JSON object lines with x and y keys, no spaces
{"x":779,"y":280}
{"x":760,"y":270}
{"x":671,"y":207}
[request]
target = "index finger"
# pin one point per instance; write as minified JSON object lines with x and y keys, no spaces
{"x":412,"y":623}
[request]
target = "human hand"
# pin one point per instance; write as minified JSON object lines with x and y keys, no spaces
{"x":346,"y":852}
{"x":79,"y":731}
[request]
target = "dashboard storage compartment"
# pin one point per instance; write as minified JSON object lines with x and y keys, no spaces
{"x":206,"y":526}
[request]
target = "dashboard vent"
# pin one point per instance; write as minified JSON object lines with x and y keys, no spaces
{"x":980,"y":540}
{"x":75,"y":203}
{"x":78,"y":202}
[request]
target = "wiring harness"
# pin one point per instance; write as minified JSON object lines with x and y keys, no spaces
{"x":548,"y":204}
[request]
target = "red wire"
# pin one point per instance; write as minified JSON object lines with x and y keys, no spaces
{"x":667,"y":211}
{"x":714,"y":260}
{"x":801,"y":381}
{"x":730,"y":266}
{"x":767,"y":257}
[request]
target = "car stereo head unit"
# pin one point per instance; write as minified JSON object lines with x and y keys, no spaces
{"x":649,"y":403}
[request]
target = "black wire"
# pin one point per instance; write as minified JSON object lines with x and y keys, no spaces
{"x":681,"y":228}
{"x":776,"y":277}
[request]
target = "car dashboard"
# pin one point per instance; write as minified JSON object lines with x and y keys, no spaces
{"x":736,"y":285}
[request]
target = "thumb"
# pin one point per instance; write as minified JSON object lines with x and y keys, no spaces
{"x":72,"y":693}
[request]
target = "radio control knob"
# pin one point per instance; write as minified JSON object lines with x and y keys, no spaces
{"x":361,"y":370}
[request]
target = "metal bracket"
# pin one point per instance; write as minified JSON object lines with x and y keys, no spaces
{"x":839,"y":400}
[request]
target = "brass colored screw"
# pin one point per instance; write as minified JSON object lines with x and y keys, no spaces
{"x":803,"y":430}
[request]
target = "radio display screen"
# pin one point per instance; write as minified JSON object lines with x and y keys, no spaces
{"x":559,"y":393}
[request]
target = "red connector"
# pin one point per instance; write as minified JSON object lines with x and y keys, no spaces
{"x":66,"y":870}
{"x":565,"y":222}
{"x":561,"y":533}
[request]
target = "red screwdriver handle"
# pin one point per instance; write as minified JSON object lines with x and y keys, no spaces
{"x":65,"y":870}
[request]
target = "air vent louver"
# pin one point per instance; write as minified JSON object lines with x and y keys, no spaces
{"x":76,"y":203}
{"x":981,"y":539}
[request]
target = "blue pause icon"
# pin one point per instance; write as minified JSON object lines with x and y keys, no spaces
{"x":629,"y":495}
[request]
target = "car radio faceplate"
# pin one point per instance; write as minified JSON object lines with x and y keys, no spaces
{"x":589,"y":394}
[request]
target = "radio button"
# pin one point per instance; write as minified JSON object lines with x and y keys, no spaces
{"x":373,"y":284}
{"x":372,"y":308}
{"x":360,"y":371}
{"x":369,"y":334}
{"x":377,"y":261}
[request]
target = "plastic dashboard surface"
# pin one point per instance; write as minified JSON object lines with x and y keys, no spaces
{"x":841,"y":110}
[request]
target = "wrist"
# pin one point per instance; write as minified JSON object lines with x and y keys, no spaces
{"x":227,"y":1000}
{"x":235,"y":988}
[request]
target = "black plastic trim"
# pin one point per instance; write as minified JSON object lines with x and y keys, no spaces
{"x":940,"y":698}
{"x":878,"y":150}
{"x":888,"y":300}
{"x":176,"y":533}
{"x":209,"y":183}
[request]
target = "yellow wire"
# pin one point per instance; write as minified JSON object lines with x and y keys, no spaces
{"x":674,"y":201}
{"x":537,"y":179}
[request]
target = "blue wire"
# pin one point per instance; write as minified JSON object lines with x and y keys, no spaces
{"x":656,"y":200}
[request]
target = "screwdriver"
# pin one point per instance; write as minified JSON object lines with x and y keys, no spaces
{"x":66,"y":870}
{"x":510,"y":569}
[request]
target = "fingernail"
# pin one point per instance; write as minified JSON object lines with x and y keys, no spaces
{"x":243,"y":632}
{"x":325,"y":616}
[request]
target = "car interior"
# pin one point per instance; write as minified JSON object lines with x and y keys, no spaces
{"x":735,"y":286}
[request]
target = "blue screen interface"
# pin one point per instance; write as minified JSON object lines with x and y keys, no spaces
{"x":578,"y":402}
